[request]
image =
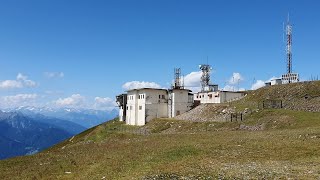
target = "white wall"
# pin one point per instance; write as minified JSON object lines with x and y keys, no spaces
{"x":120,"y":113}
{"x":144,"y":105}
{"x":131,"y":108}
{"x":217,"y":97}
{"x":156,"y":107}
{"x":208,"y":97}
{"x":181,"y":102}
{"x":276,"y":82}
{"x":227,"y":96}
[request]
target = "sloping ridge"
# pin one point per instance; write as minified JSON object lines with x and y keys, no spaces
{"x":302,"y":96}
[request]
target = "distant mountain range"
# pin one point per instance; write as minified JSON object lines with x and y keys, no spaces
{"x":84,"y":117}
{"x":27,"y":130}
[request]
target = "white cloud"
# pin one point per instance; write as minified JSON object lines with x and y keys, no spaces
{"x":193,"y":79}
{"x":140,"y":84}
{"x":233,"y":84}
{"x":21,"y":77}
{"x":192,"y":82}
{"x":20,"y":82}
{"x":29,"y":83}
{"x":81,"y":102}
{"x":104,"y":103}
{"x":235,"y":78}
{"x":258,"y":84}
{"x":75,"y":100}
{"x":10,"y":84}
{"x":18,"y":100}
{"x":54,"y":74}
{"x":53,"y":93}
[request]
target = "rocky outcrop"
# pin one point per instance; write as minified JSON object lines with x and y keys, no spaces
{"x":208,"y":112}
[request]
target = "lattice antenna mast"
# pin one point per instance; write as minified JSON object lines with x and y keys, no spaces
{"x":177,"y":79}
{"x":289,"y":44}
{"x":289,"y":77}
{"x":205,"y":78}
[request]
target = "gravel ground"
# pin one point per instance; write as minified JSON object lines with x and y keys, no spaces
{"x":208,"y":112}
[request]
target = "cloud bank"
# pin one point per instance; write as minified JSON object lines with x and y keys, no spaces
{"x":20,"y":82}
{"x":139,"y":84}
{"x":75,"y":100}
{"x":233,"y":83}
{"x":192,"y":81}
{"x":54,"y":74}
{"x":18,"y":100}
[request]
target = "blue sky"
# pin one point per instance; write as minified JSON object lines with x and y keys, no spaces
{"x":83,"y":53}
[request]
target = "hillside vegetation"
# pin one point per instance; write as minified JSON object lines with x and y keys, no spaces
{"x":267,"y":144}
{"x":303,"y":96}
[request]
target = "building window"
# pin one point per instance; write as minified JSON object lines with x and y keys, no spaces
{"x":140,"y":107}
{"x":163,"y":97}
{"x":130,"y":107}
{"x":127,"y":107}
{"x":141,"y":96}
{"x":159,"y":96}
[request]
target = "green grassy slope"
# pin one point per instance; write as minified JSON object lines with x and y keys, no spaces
{"x":303,"y":96}
{"x":270,"y":143}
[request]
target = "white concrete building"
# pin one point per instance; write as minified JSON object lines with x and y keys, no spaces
{"x":276,"y":82}
{"x":180,"y":101}
{"x":146,"y":104}
{"x":217,"y":96}
{"x":290,"y":78}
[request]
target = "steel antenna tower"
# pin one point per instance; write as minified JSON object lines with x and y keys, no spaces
{"x":177,"y":79}
{"x":205,"y":78}
{"x":289,"y":77}
{"x":289,"y":44}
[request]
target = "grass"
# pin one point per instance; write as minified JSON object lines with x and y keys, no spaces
{"x":182,"y":149}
